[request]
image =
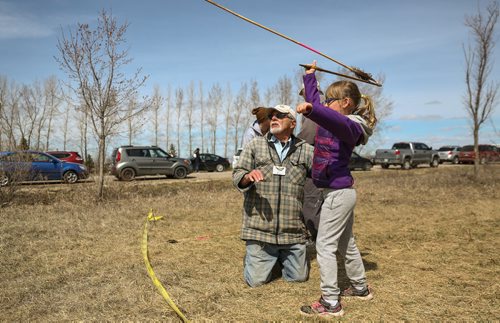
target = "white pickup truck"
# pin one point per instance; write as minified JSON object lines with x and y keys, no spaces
{"x":407,"y":155}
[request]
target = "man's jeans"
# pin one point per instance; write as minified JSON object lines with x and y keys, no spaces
{"x":261,"y":257}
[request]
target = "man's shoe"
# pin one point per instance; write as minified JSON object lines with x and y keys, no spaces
{"x":364,"y":294}
{"x":322,"y":309}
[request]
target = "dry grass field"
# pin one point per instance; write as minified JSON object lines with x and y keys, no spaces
{"x":429,"y":239}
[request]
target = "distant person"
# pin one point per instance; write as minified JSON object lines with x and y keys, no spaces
{"x":270,"y":173}
{"x":343,"y":124}
{"x":313,"y":199}
{"x":259,"y":127}
{"x":197,"y":160}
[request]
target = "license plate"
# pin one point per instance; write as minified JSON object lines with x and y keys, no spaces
{"x":386,"y":160}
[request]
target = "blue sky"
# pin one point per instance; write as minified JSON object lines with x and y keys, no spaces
{"x":416,"y":44}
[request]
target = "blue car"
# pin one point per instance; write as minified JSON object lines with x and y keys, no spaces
{"x":17,"y":166}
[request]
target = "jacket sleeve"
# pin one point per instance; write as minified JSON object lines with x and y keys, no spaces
{"x":311,"y":89}
{"x":245,"y":165}
{"x":341,"y":126}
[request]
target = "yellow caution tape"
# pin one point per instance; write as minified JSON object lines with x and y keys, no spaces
{"x":156,"y":282}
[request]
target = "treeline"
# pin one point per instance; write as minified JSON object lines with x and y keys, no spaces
{"x":45,"y":116}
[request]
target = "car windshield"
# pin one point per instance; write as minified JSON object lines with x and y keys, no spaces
{"x":445,"y":148}
{"x":161,"y":153}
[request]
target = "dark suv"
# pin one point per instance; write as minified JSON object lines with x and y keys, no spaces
{"x":131,"y":161}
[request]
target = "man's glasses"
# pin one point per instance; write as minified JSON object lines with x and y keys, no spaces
{"x":330,"y":100}
{"x":279,"y":115}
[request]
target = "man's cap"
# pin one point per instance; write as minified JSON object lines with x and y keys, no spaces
{"x":301,"y":92}
{"x":285,"y":109}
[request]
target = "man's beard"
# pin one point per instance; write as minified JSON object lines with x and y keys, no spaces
{"x":276,"y":129}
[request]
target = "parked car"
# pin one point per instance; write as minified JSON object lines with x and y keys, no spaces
{"x":487,"y":154}
{"x":129,"y":162}
{"x":236,"y":157}
{"x":69,"y":156}
{"x":359,"y":162}
{"x":211,"y":162}
{"x":407,"y":155}
{"x":449,"y":154}
{"x":27,"y":165}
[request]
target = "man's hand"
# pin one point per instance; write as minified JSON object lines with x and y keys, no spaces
{"x":304,"y":108}
{"x":254,"y":176}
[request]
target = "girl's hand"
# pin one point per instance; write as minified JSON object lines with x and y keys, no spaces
{"x":304,"y":108}
{"x":312,"y":69}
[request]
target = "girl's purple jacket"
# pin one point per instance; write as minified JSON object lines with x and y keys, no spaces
{"x":335,"y":140}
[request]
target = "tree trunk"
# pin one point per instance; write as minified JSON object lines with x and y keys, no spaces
{"x":102,"y":158}
{"x":476,"y":150}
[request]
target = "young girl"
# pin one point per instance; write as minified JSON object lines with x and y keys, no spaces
{"x":343,"y":124}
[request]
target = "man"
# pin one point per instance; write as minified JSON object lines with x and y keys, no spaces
{"x":197,"y":160}
{"x":271,"y":173}
{"x":259,"y":127}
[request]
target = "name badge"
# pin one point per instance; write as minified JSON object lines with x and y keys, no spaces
{"x":279,"y":170}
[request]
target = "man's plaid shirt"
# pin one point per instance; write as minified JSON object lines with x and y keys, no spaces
{"x":272,"y":209}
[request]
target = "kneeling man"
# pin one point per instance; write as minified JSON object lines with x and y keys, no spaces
{"x":271,"y":173}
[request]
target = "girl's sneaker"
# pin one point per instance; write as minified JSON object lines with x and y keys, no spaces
{"x":364,"y":294}
{"x":322,"y":309}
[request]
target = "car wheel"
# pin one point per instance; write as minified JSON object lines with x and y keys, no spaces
{"x":435,"y":162}
{"x":4,"y":180}
{"x":385,"y":166}
{"x":127,"y":174}
{"x":455,"y":160}
{"x":406,"y":164}
{"x":367,"y":166}
{"x":180,"y":172}
{"x":70,"y":177}
{"x":219,"y":168}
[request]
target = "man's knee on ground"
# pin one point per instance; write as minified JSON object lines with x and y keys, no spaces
{"x":255,"y":281}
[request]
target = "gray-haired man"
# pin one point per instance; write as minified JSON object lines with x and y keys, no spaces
{"x":271,"y":173}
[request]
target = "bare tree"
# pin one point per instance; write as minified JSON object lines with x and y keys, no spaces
{"x":202,"y":117}
{"x":383,"y":108}
{"x":53,"y":99}
{"x":9,"y":109}
{"x":135,"y":120}
{"x":93,"y":59}
{"x":179,"y":97}
{"x":168,"y":106}
{"x":214,"y":105}
{"x":189,"y":114}
{"x":65,"y":129}
{"x":284,"y":90}
{"x":269,"y":96}
{"x":228,"y":112}
{"x":83,"y":125}
{"x":481,"y":94}
{"x":3,"y":96}
{"x":241,"y":106}
{"x":156,"y":103}
{"x":28,"y":113}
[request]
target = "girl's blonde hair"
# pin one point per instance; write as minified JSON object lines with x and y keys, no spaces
{"x":348,"y":89}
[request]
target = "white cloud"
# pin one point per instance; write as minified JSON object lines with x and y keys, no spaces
{"x":428,"y":117}
{"x":16,"y":26}
{"x":433,"y":102}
